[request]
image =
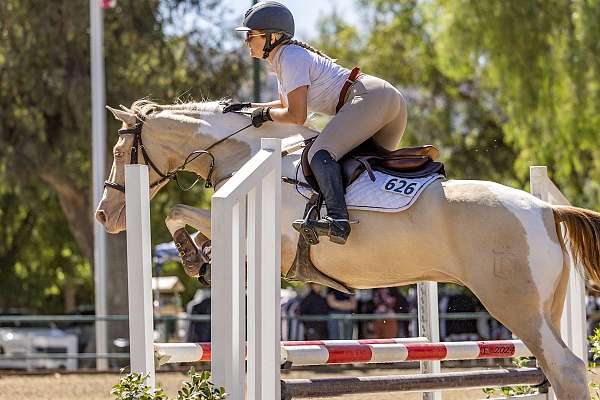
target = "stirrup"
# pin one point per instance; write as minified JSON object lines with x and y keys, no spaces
{"x":306,"y":229}
{"x":311,"y":229}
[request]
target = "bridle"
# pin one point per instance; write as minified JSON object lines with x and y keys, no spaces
{"x":138,"y":144}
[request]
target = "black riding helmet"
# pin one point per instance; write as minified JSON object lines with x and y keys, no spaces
{"x":269,"y":17}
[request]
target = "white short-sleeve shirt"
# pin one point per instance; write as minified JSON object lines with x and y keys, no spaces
{"x":296,"y":66}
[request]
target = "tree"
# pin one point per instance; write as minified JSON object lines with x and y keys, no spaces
{"x":45,"y":117}
{"x":498,"y":86}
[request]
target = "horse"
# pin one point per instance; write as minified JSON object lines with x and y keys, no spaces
{"x":502,"y":243}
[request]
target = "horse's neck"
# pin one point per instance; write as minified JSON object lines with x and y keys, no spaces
{"x":233,"y":153}
{"x":204,"y":129}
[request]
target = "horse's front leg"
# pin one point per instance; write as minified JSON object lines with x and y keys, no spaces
{"x":195,"y":253}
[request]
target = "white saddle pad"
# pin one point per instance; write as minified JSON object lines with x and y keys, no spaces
{"x":386,"y":194}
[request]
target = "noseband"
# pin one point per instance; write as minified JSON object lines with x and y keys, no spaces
{"x":138,"y":144}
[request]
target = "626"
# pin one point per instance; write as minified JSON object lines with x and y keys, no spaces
{"x":400,"y":186}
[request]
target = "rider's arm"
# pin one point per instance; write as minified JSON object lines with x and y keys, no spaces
{"x":272,"y":104}
{"x":296,"y":111}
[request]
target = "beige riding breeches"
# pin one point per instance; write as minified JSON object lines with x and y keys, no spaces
{"x":373,"y":108}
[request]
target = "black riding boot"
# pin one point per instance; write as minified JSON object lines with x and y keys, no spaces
{"x":328,"y":174}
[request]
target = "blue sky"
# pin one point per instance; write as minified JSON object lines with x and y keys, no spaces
{"x":306,"y":12}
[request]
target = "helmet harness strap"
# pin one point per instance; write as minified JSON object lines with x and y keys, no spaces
{"x":268,"y":48}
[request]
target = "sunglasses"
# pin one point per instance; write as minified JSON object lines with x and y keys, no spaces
{"x":250,"y":36}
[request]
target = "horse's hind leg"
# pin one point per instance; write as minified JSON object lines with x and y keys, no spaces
{"x":537,"y":324}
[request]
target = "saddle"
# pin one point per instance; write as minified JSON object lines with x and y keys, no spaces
{"x":408,"y":162}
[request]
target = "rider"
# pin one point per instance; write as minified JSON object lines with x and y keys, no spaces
{"x":308,"y":80}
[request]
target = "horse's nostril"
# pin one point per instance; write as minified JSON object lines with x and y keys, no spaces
{"x":100,"y":216}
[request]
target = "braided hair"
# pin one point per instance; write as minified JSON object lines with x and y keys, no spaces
{"x":307,"y":47}
{"x":303,"y":45}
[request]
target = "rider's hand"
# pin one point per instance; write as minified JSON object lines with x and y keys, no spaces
{"x":231,"y":107}
{"x":260,"y":116}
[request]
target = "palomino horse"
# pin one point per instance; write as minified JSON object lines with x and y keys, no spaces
{"x":502,"y":243}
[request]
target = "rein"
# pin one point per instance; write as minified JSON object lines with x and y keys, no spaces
{"x":138,"y":144}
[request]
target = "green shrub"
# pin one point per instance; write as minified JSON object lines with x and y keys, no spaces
{"x":198,"y":387}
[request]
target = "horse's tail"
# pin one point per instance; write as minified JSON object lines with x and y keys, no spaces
{"x":583,"y":237}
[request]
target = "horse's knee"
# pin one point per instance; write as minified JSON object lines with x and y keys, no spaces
{"x":174,"y":218}
{"x":175,"y":213}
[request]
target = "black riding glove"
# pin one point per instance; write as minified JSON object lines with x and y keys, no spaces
{"x":260,"y":116}
{"x":231,"y":107}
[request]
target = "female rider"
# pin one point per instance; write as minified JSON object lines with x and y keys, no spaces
{"x":308,"y":80}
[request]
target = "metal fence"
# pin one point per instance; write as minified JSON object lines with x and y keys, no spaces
{"x":15,"y":323}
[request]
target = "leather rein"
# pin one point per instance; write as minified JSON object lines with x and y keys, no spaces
{"x":138,"y":144}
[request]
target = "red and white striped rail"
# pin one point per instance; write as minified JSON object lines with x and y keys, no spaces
{"x":167,"y":353}
{"x":386,"y":353}
{"x":359,"y":351}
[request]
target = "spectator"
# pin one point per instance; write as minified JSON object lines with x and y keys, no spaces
{"x":340,"y":304}
{"x":314,"y":304}
{"x":364,"y":300}
{"x":200,"y":330}
{"x":463,"y":329}
{"x":389,"y":301}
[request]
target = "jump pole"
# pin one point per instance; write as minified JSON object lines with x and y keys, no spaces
{"x":139,"y":271}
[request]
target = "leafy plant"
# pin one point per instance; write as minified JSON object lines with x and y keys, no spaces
{"x":595,"y":350}
{"x":507,"y":391}
{"x":198,"y":387}
{"x":133,"y":387}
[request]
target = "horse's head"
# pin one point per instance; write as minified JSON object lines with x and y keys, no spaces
{"x":132,"y":147}
{"x":168,"y":136}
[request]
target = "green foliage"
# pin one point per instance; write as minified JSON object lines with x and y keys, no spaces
{"x":520,"y":362}
{"x":133,"y":387}
{"x":45,"y":162}
{"x":594,"y":341}
{"x":198,"y":387}
{"x":540,"y":64}
{"x":499,"y":86}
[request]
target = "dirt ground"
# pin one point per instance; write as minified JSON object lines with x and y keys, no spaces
{"x":97,"y":386}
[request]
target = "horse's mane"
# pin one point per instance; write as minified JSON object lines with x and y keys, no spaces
{"x":146,"y":106}
{"x":290,"y":133}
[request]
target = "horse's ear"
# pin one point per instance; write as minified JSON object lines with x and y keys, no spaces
{"x":125,"y":116}
{"x":122,"y":107}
